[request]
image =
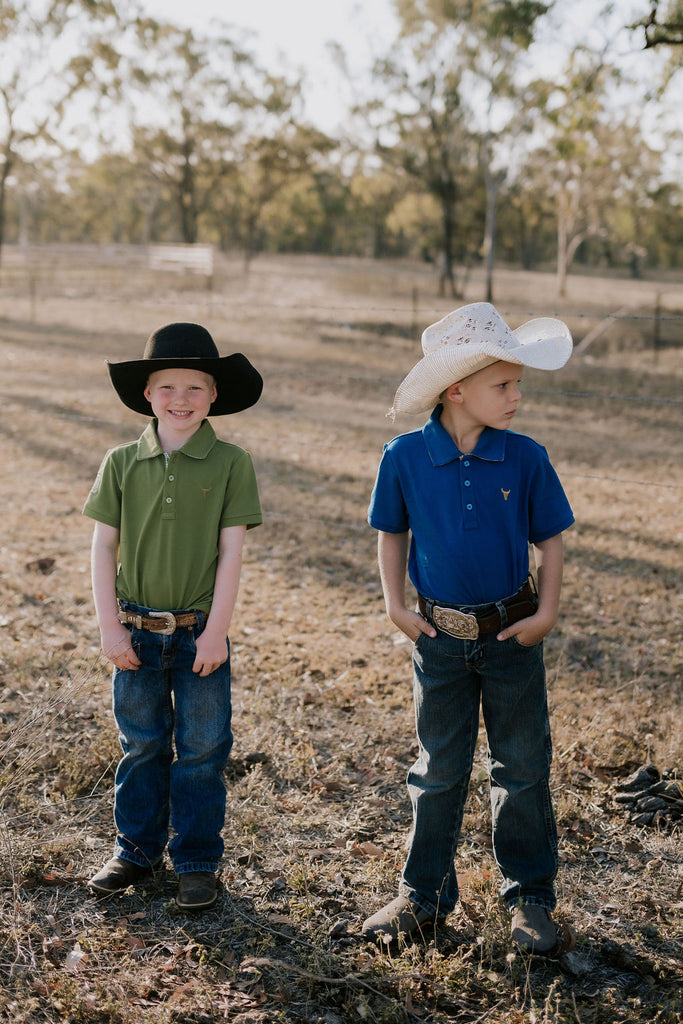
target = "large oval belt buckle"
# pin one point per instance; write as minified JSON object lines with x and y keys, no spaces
{"x":170,"y":624}
{"x":462,"y":625}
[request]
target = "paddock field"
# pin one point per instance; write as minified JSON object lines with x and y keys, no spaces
{"x":317,"y":808}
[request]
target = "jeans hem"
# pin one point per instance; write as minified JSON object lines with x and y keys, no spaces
{"x":203,"y":865}
{"x":140,"y":860}
{"x":437,"y":909}
{"x":532,"y":901}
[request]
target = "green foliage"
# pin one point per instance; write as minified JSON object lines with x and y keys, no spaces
{"x":193,"y":140}
{"x":515,"y":21}
{"x":505,"y":18}
{"x":663,"y":24}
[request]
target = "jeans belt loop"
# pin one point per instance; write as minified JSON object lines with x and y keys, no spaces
{"x":168,"y":623}
{"x":468,"y":626}
{"x":463,"y":625}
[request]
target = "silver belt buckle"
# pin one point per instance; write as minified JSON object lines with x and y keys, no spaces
{"x":171,"y":624}
{"x":462,"y":625}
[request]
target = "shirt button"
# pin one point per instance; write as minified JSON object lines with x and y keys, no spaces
{"x":169,"y":501}
{"x":467,"y":483}
{"x":466,"y":464}
{"x":469,"y":508}
{"x":171,"y":478}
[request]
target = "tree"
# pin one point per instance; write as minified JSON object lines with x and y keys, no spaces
{"x":594,"y":160}
{"x":34,"y":86}
{"x":662,"y":27}
{"x":221,"y":135}
{"x":421,"y":134}
{"x":460,"y":58}
{"x":374,"y":197}
{"x":266,"y":165}
{"x":110,"y":199}
{"x":187,"y":97}
{"x":573,"y":163}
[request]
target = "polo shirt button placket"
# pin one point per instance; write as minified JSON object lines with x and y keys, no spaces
{"x":169,"y":491}
{"x":468,"y":506}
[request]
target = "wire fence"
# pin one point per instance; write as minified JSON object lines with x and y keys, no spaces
{"x":360,"y":318}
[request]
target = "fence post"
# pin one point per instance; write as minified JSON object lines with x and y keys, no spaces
{"x":657,"y":326}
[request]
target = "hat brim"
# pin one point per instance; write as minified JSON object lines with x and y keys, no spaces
{"x":238,"y":383}
{"x":544,"y":343}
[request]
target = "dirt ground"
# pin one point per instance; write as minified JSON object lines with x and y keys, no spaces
{"x":317,"y":808}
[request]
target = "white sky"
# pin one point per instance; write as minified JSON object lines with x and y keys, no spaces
{"x":294,"y":34}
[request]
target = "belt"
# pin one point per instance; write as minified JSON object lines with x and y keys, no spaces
{"x":469,"y":625}
{"x":165,"y":623}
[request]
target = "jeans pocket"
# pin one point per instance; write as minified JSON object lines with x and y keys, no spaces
{"x":525,"y":647}
{"x":420,"y":639}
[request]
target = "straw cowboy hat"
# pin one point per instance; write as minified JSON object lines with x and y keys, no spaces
{"x":470,"y":338}
{"x":191,"y":347}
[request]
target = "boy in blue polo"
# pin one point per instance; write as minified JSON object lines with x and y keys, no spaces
{"x":458,"y":502}
{"x":171,"y":511}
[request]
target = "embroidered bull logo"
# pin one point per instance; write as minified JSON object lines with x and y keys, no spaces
{"x":505,"y":493}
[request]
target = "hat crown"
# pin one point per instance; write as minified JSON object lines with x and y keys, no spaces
{"x":471,"y":338}
{"x":476,"y":324}
{"x":188,"y":346}
{"x":181,"y":341}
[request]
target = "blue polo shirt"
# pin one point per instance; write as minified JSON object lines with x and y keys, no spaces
{"x":471,"y":517}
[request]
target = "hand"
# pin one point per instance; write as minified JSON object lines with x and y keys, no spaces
{"x":212,"y":652}
{"x":116,"y":646}
{"x":528,"y":631}
{"x":411,"y":623}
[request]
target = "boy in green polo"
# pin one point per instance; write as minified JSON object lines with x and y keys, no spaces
{"x":171,"y":512}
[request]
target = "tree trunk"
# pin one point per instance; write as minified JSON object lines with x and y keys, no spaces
{"x":562,"y":243}
{"x":493,"y":184}
{"x":6,"y":168}
{"x":447,"y":274}
{"x":188,"y":198}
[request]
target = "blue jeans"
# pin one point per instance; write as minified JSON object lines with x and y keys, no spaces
{"x":451,"y":677}
{"x":174,"y":729}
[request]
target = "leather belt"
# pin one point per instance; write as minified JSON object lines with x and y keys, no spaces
{"x":469,"y":625}
{"x":165,"y":623}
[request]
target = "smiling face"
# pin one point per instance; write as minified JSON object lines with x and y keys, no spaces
{"x":181,"y":399}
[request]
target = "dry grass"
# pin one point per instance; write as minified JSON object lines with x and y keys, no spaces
{"x":318,"y":814}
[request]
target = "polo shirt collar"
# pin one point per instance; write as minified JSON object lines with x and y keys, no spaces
{"x":442,"y":448}
{"x":197,"y":447}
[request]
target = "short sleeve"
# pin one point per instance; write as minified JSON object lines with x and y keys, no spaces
{"x":104,"y":501}
{"x":550,"y":512}
{"x":387,"y":511}
{"x":242,"y":505}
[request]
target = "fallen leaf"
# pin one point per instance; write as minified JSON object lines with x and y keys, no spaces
{"x":372,"y":850}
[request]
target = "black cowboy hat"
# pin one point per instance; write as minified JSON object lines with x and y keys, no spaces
{"x":191,"y":347}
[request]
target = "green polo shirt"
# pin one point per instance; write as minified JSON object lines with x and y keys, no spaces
{"x":170,"y":510}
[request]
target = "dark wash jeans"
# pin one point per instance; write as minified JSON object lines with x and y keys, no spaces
{"x":174,"y":729}
{"x":451,"y":677}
